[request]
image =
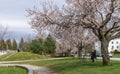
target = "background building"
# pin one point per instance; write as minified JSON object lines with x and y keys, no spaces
{"x":98,"y":48}
{"x":114,"y":45}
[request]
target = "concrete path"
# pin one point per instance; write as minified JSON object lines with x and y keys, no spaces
{"x":36,"y":69}
{"x":117,"y":59}
{"x":3,"y":62}
{"x":32,"y":69}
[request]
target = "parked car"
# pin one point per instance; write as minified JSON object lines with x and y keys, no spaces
{"x":110,"y":54}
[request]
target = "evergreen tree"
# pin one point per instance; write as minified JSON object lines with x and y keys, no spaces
{"x":36,"y":46}
{"x":49,"y":45}
{"x":8,"y":44}
{"x":21,"y":44}
{"x":2,"y":44}
{"x":14,"y":45}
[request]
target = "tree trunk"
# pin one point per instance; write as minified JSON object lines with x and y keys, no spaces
{"x":104,"y":51}
{"x":79,"y":52}
{"x":79,"y":49}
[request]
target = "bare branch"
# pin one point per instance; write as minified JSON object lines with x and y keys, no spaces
{"x":109,"y":15}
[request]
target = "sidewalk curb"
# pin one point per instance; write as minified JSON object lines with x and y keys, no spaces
{"x":30,"y":71}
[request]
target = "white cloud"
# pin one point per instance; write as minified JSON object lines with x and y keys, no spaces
{"x":17,"y":28}
{"x":15,"y":24}
{"x":12,"y":14}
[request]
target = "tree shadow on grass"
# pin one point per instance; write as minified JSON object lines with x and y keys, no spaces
{"x":86,"y":68}
{"x":72,"y":66}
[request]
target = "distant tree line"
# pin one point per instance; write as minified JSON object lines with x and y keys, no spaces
{"x":40,"y":46}
{"x":8,"y":44}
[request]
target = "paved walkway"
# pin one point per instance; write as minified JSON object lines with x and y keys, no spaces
{"x":33,"y":69}
{"x":3,"y":62}
{"x":36,"y":69}
{"x":117,"y":59}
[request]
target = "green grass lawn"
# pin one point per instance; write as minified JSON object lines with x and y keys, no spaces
{"x":116,"y":55}
{"x":74,"y":66}
{"x":69,"y":65}
{"x":12,"y":70}
{"x":21,"y":56}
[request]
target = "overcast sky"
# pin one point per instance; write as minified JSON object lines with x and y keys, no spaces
{"x":13,"y":14}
